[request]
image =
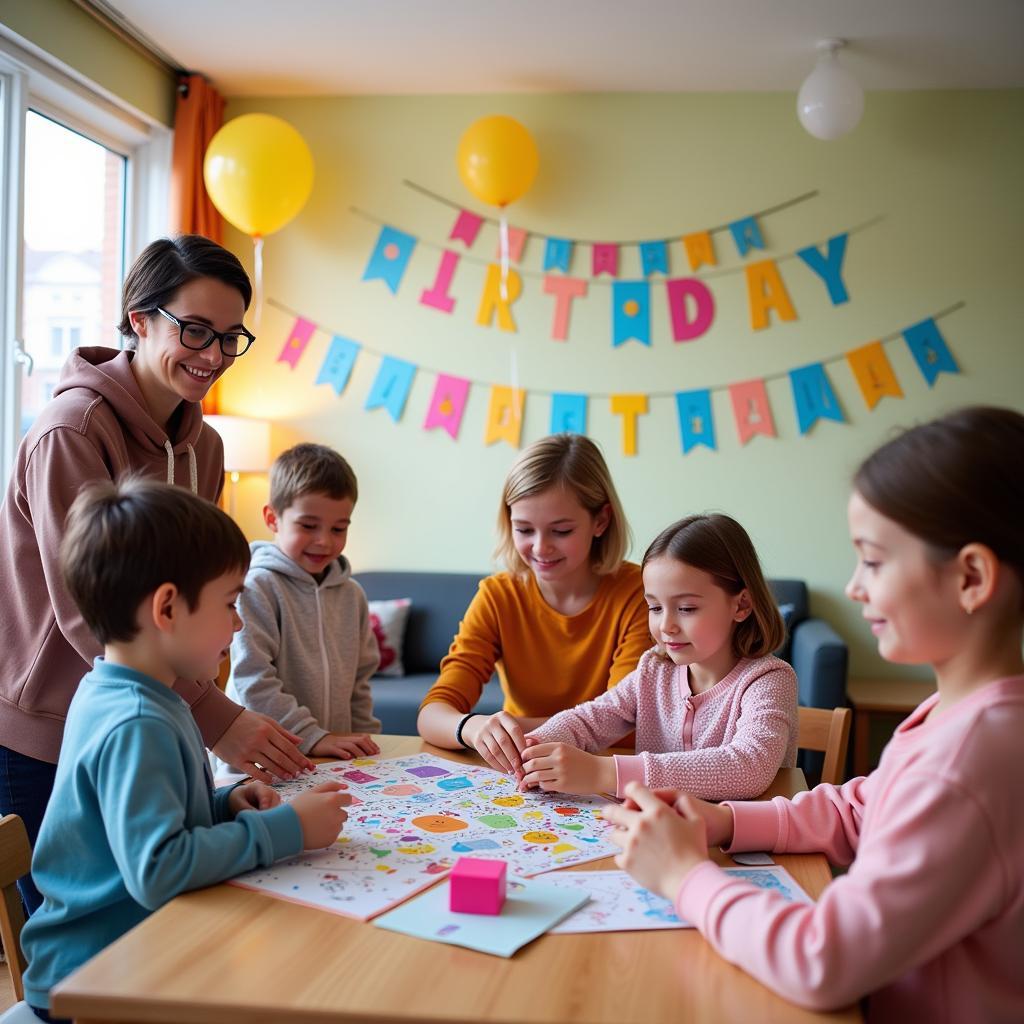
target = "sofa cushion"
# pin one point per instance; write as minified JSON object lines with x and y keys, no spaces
{"x":388,"y":619}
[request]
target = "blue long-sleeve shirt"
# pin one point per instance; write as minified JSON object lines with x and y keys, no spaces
{"x":133,"y":821}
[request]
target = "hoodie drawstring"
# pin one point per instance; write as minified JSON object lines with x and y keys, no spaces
{"x":193,"y":473}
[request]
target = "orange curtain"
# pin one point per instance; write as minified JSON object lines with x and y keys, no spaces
{"x":199,"y":113}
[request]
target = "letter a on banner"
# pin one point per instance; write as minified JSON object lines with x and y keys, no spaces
{"x":337,"y":365}
{"x":929,"y":350}
{"x":491,"y":300}
{"x":447,"y":404}
{"x":568,"y":414}
{"x":391,"y":386}
{"x":629,"y":407}
{"x":874,"y":373}
{"x":813,"y":397}
{"x":298,"y":338}
{"x":751,"y":409}
{"x":505,"y":415}
{"x":765,"y":291}
{"x":390,"y":257}
{"x":696,"y":422}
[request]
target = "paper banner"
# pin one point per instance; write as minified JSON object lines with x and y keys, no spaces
{"x":700,"y":249}
{"x":568,"y":413}
{"x":516,"y":241}
{"x":558,"y":254}
{"x":684,"y":326}
{"x":654,"y":258}
{"x":437,"y":294}
{"x":631,"y":312}
{"x":491,"y":300}
{"x":337,"y":365}
{"x":505,"y":415}
{"x":696,"y":422}
{"x":766,"y":291}
{"x":447,"y":404}
{"x":829,"y":266}
{"x":390,"y":257}
{"x":629,"y":407}
{"x":746,"y":233}
{"x":298,"y":338}
{"x":813,"y":397}
{"x":751,"y":409}
{"x":467,"y":227}
{"x":929,"y":350}
{"x":605,"y":259}
{"x":565,"y":289}
{"x":874,"y":373}
{"x":391,"y":386}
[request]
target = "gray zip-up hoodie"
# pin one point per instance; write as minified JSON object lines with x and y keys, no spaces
{"x":306,"y":650}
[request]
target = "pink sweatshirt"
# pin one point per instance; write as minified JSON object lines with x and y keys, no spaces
{"x":729,"y":741}
{"x":929,"y":918}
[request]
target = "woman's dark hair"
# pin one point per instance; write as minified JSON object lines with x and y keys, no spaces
{"x":718,"y":545}
{"x":954,"y":481}
{"x":166,"y":265}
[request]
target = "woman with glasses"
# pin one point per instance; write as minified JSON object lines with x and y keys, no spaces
{"x":135,"y":410}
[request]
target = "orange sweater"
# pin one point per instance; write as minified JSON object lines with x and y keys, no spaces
{"x":546,"y":661}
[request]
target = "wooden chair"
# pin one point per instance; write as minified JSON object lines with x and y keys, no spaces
{"x":15,"y":861}
{"x":827,"y":731}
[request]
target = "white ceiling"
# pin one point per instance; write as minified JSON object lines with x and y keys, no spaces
{"x":315,"y":47}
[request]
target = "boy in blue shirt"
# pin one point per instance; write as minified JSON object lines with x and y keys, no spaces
{"x":134,"y":819}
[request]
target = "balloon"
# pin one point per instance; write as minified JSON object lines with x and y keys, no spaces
{"x":258,"y":172}
{"x":497,"y":159}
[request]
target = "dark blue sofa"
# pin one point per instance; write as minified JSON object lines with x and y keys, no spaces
{"x":812,"y":647}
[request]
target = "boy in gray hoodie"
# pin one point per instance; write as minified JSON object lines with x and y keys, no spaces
{"x":306,"y":650}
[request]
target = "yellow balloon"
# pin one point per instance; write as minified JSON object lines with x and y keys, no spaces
{"x":258,"y":172}
{"x":497,"y":159}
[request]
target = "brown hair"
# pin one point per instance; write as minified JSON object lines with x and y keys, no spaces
{"x":168,"y":264}
{"x":310,"y":469}
{"x":575,"y":463}
{"x":125,"y":539}
{"x":718,"y":545}
{"x":954,"y":481}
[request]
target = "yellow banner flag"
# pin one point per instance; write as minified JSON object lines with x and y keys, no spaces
{"x":629,"y":407}
{"x":492,"y":301}
{"x":505,"y":415}
{"x":700,"y":249}
{"x":874,"y":373}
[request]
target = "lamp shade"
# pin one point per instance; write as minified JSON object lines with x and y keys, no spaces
{"x":831,"y":101}
{"x":246,"y":443}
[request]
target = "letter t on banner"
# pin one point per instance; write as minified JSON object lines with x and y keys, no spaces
{"x":565,"y":289}
{"x":629,"y":407}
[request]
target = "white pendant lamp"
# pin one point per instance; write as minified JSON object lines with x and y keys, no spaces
{"x":831,"y":101}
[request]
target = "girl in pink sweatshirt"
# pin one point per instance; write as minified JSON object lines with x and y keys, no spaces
{"x":714,"y":711}
{"x":928,"y":922}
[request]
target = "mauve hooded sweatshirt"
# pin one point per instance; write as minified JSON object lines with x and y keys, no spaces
{"x":96,"y":427}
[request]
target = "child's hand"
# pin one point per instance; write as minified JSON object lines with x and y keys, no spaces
{"x":717,"y":817}
{"x":562,"y":768}
{"x":661,"y":844}
{"x":345,"y":747}
{"x":499,"y":740}
{"x":252,"y":796}
{"x":321,"y":814}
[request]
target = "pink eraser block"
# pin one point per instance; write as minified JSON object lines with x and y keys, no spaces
{"x":476,"y":886}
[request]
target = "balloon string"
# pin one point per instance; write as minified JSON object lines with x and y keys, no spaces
{"x":503,"y":248}
{"x":514,"y":375}
{"x":257,"y":243}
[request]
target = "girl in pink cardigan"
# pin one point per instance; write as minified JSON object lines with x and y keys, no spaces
{"x":714,"y":711}
{"x":928,"y":922}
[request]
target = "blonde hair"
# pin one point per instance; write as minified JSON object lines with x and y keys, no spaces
{"x":719,"y":546}
{"x":575,"y":463}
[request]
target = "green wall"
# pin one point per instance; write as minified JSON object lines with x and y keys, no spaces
{"x":941,"y":169}
{"x":65,"y":31}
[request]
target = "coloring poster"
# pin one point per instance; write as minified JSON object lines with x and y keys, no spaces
{"x":412,"y":817}
{"x":618,"y":904}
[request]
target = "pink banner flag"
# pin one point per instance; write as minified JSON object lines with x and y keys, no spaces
{"x":751,"y":409}
{"x":447,"y":404}
{"x":565,"y":289}
{"x":467,"y":227}
{"x":298,"y":339}
{"x":437,"y":294}
{"x":516,"y":241}
{"x":605,"y":259}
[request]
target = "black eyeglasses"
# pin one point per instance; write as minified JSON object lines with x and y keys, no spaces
{"x":198,"y":336}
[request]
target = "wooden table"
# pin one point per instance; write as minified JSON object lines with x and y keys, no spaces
{"x":880,"y":697}
{"x":226,"y":955}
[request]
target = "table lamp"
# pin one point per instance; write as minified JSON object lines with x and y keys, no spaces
{"x":246,"y":448}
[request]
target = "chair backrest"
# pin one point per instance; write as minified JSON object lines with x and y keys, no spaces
{"x":15,"y":861}
{"x":828,"y":731}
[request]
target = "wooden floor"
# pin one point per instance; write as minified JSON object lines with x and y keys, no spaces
{"x":6,"y":989}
